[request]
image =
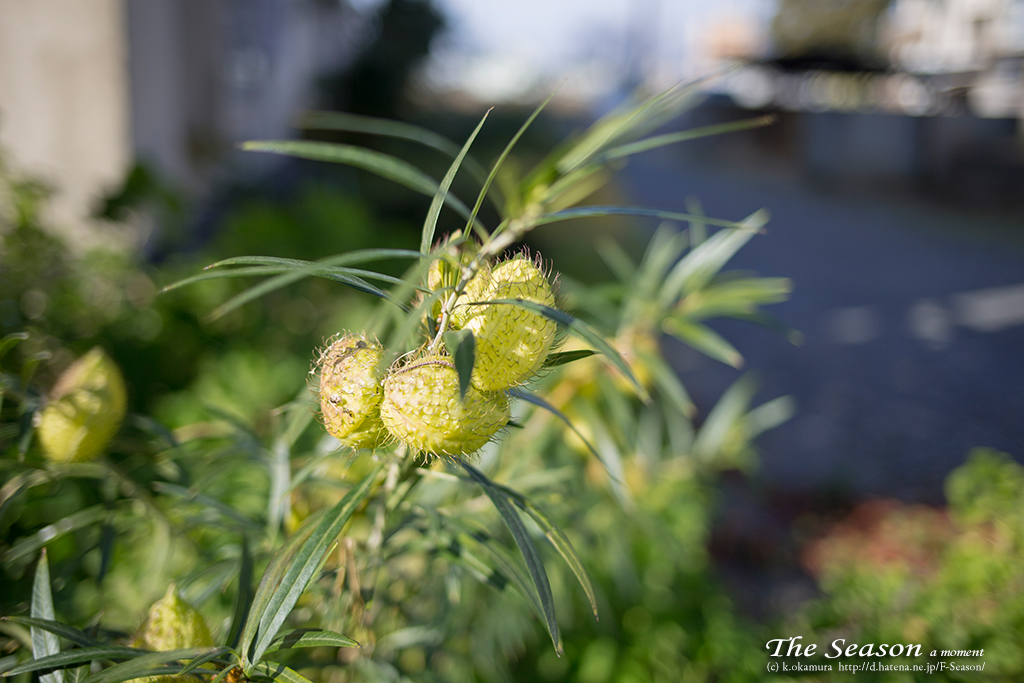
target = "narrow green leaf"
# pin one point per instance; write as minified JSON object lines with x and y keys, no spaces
{"x":429,"y":225}
{"x":769,"y":415}
{"x":724,"y":417}
{"x":592,"y":211}
{"x":501,"y":159}
{"x":617,"y":260}
{"x":108,"y":537}
{"x":526,"y":547}
{"x":189,"y":495}
{"x":222,"y":674}
{"x":704,"y":339}
{"x":668,"y":383}
{"x":9,"y":341}
{"x":672,"y":138}
{"x":210,"y":656}
{"x":353,"y":277}
{"x":81,"y":655}
{"x":57,"y":628}
{"x":734,"y":297}
{"x":277,"y":672}
{"x":665,"y":247}
{"x":44,"y":643}
{"x":384,"y":165}
{"x":30,"y":544}
{"x":508,"y":572}
{"x":243,"y":595}
{"x":306,"y":563}
{"x":541,"y":403}
{"x":149,"y":664}
{"x":310,"y":638}
{"x":563,"y":357}
{"x":355,"y":123}
{"x":462,"y":348}
{"x":271,"y":580}
{"x":280,"y":470}
{"x":698,"y":267}
{"x":582,"y":330}
{"x":347,"y":258}
{"x":558,"y":539}
{"x":793,"y":336}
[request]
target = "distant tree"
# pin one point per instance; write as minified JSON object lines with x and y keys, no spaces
{"x":375,"y":83}
{"x":837,"y":33}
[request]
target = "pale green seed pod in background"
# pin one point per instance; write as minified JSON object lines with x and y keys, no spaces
{"x":172,"y":624}
{"x":422,"y":409}
{"x":511,"y":341}
{"x":351,"y":391}
{"x":84,"y":411}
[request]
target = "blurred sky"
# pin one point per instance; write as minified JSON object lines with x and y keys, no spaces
{"x":498,"y":50}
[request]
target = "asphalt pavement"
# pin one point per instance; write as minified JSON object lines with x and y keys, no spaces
{"x":913,"y":322}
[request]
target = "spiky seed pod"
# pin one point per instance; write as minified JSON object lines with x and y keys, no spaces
{"x":511,"y":342}
{"x":423,"y":410}
{"x":84,"y":410}
{"x":172,"y":624}
{"x":444,"y":274}
{"x":350,"y":391}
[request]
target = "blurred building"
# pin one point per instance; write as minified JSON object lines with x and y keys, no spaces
{"x":89,"y":86}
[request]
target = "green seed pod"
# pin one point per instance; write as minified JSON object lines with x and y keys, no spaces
{"x":423,"y":410}
{"x":350,"y":391}
{"x":172,"y":624}
{"x":84,"y":411}
{"x":511,"y":342}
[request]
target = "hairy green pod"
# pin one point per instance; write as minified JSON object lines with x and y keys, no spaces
{"x":84,"y":411}
{"x":351,"y":391}
{"x":511,"y":341}
{"x":422,"y":409}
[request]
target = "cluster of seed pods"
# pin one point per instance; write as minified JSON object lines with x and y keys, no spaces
{"x":419,"y":401}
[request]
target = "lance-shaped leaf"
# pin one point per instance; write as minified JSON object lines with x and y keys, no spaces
{"x":277,"y":672}
{"x":594,"y":211}
{"x":541,"y":403}
{"x":704,"y":339}
{"x":29,"y":544}
{"x":526,"y":547}
{"x":462,"y":348}
{"x":309,"y":638}
{"x":656,"y":141}
{"x":702,"y":263}
{"x":149,"y":664}
{"x":66,"y":632}
{"x":304,"y":565}
{"x":563,"y":357}
{"x":69,"y":658}
{"x":243,"y":597}
{"x":506,"y":572}
{"x":43,"y":642}
{"x":558,"y":539}
{"x":427,"y":238}
{"x":501,"y":159}
{"x":216,"y":654}
{"x":384,"y":165}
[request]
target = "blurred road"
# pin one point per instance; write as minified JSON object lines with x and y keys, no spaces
{"x":913,"y":318}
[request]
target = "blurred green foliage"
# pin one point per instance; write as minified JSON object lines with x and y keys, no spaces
{"x":947,"y":579}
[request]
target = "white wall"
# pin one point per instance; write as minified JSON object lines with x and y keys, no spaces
{"x":64,"y":101}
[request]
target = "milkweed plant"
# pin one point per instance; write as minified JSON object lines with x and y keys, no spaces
{"x":481,"y":383}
